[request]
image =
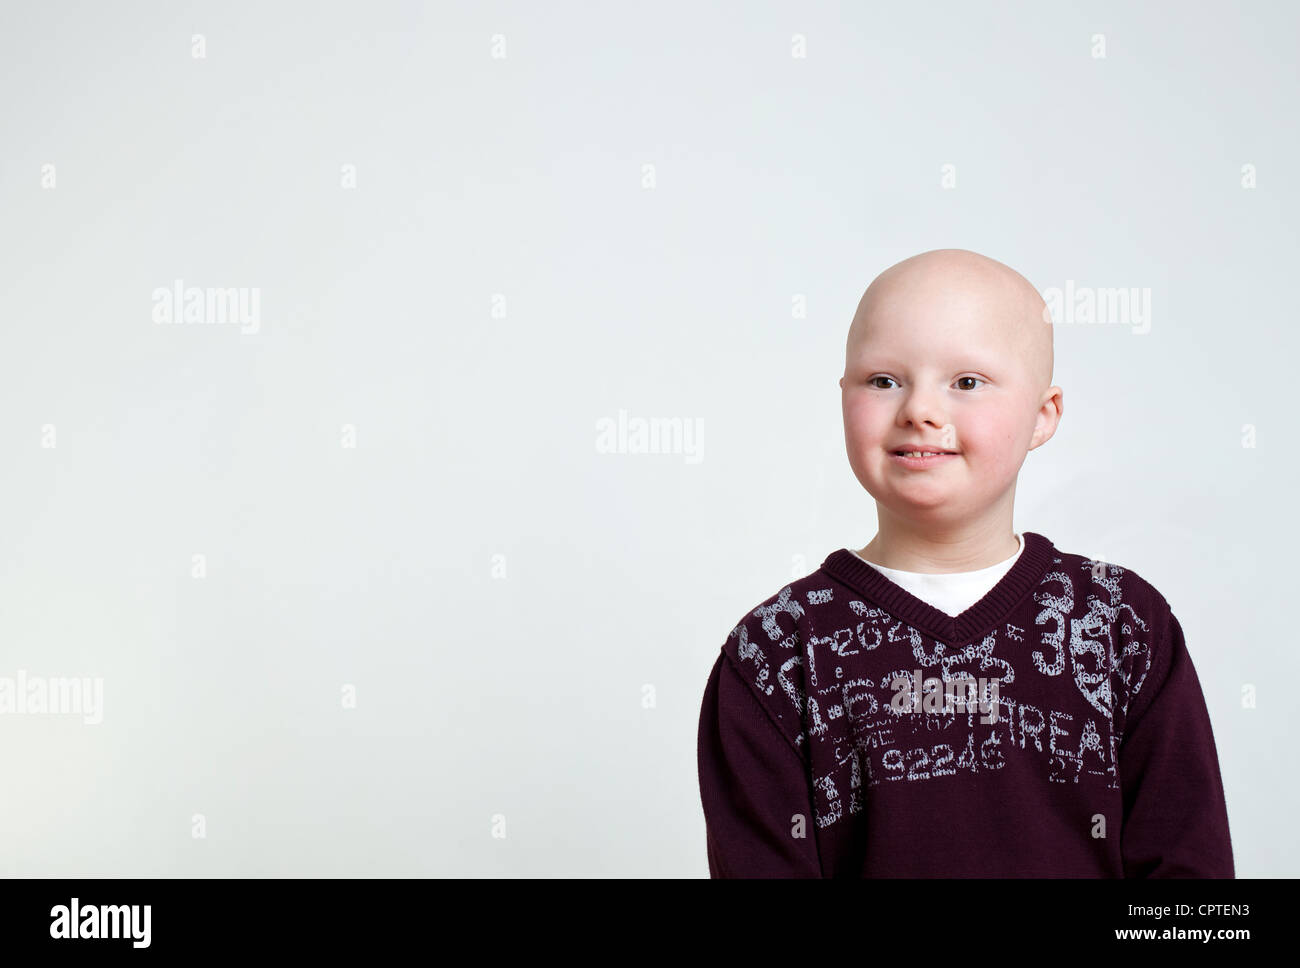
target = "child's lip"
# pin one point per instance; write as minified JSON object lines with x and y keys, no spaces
{"x":922,"y":461}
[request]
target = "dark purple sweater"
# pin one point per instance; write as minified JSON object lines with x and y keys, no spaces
{"x":1080,"y":745}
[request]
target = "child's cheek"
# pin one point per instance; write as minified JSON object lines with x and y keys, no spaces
{"x":863,"y":426}
{"x":871,"y":421}
{"x":993,"y":448}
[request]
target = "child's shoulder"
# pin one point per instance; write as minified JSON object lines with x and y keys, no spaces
{"x":766,"y":641}
{"x":779,"y":614}
{"x":1111,"y":583}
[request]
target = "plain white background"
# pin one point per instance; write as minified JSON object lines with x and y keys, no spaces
{"x":561,"y":212}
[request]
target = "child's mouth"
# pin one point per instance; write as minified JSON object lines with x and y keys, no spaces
{"x":921,"y":458}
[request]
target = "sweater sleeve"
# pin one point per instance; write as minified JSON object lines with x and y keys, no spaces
{"x":1175,"y":817}
{"x":753,"y":785}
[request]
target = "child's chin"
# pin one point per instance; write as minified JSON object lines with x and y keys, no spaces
{"x":919,"y":495}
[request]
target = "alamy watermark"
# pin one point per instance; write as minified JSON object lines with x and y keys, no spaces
{"x":190,"y":304}
{"x":77,"y":921}
{"x":651,"y":435}
{"x":933,"y":695}
{"x":1086,"y":305}
{"x":53,"y":696}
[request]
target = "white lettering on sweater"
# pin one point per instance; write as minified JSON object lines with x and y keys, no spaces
{"x":860,"y":740}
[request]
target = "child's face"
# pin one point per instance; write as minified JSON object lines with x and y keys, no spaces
{"x":947,"y":353}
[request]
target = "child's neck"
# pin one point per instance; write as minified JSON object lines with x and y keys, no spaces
{"x":939,"y":554}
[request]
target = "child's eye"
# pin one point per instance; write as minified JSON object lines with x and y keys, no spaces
{"x":873,"y":382}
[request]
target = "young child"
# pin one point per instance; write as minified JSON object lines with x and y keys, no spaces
{"x":957,"y":699}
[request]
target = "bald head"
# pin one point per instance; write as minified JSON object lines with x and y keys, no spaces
{"x":959,"y":290}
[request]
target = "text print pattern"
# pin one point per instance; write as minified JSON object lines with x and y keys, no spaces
{"x":1055,"y":688}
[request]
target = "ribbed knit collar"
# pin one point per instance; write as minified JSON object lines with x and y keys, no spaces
{"x":989,"y":611}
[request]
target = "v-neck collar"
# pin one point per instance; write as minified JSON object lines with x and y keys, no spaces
{"x":996,"y":604}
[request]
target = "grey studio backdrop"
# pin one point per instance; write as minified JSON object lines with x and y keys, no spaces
{"x":402,"y":401}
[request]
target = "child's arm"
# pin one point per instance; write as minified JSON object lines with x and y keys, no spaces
{"x":753,"y":783}
{"x":1175,"y":818}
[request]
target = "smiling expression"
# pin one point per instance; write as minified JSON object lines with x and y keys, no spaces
{"x":948,"y":351}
